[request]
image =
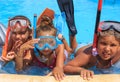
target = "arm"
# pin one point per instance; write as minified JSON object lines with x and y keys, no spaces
{"x":28,"y":46}
{"x":58,"y":69}
{"x":76,"y":65}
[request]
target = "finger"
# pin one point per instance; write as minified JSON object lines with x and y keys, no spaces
{"x":81,"y":74}
{"x":4,"y":58}
{"x":92,"y":74}
{"x":31,"y":42}
{"x":17,"y":44}
{"x":84,"y":75}
{"x":61,"y":76}
{"x":11,"y":53}
{"x":88,"y":75}
{"x":27,"y":47}
{"x":31,"y":47}
{"x":56,"y":76}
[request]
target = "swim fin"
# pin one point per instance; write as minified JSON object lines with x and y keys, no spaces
{"x":59,"y":22}
{"x":47,"y":12}
{"x":68,"y":7}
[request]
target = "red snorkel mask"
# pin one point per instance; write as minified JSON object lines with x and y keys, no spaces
{"x":21,"y":21}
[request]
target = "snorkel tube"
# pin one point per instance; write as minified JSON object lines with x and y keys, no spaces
{"x":5,"y":47}
{"x":34,"y":26}
{"x":94,"y":51}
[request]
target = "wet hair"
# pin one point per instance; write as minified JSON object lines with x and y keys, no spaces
{"x":46,"y":25}
{"x":109,"y":32}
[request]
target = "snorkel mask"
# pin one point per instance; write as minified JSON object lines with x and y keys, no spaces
{"x":23,"y":22}
{"x":107,"y":25}
{"x":46,"y":42}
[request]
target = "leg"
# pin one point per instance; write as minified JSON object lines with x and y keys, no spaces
{"x":73,"y":42}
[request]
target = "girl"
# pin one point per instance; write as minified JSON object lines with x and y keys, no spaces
{"x":107,"y":60}
{"x":47,"y":51}
{"x":20,"y":32}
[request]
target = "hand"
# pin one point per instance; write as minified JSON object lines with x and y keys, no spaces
{"x":16,"y":46}
{"x":29,"y":44}
{"x":58,"y":73}
{"x":10,"y":55}
{"x":60,"y":37}
{"x":86,"y":74}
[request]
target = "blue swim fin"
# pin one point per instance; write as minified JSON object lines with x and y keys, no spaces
{"x":59,"y":22}
{"x":68,"y":7}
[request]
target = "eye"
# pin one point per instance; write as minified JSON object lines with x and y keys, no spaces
{"x":14,"y":33}
{"x":103,"y":43}
{"x":113,"y":45}
{"x":21,"y":33}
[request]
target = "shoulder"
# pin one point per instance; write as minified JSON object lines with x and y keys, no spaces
{"x":86,"y":50}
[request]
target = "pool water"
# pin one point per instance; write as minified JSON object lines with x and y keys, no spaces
{"x":85,"y":13}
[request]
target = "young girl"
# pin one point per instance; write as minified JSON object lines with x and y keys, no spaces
{"x":107,"y":60}
{"x":47,"y":51}
{"x":20,"y":32}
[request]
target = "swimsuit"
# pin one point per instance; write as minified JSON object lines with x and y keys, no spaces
{"x":37,"y":59}
{"x":114,"y":69}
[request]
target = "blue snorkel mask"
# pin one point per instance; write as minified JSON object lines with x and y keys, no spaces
{"x":47,"y":42}
{"x":50,"y":42}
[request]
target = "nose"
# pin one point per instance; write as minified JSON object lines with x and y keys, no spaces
{"x":46,"y":48}
{"x":18,"y":36}
{"x":107,"y":48}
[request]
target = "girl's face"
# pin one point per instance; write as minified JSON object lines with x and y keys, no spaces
{"x":107,"y":47}
{"x":46,"y":51}
{"x":19,"y":34}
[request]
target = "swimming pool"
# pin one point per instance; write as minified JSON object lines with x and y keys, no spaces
{"x":85,"y":13}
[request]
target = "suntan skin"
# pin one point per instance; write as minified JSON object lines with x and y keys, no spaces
{"x":19,"y":35}
{"x":73,"y":43}
{"x":108,"y":48}
{"x":57,"y":71}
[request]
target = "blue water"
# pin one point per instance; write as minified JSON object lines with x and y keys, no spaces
{"x":85,"y":13}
